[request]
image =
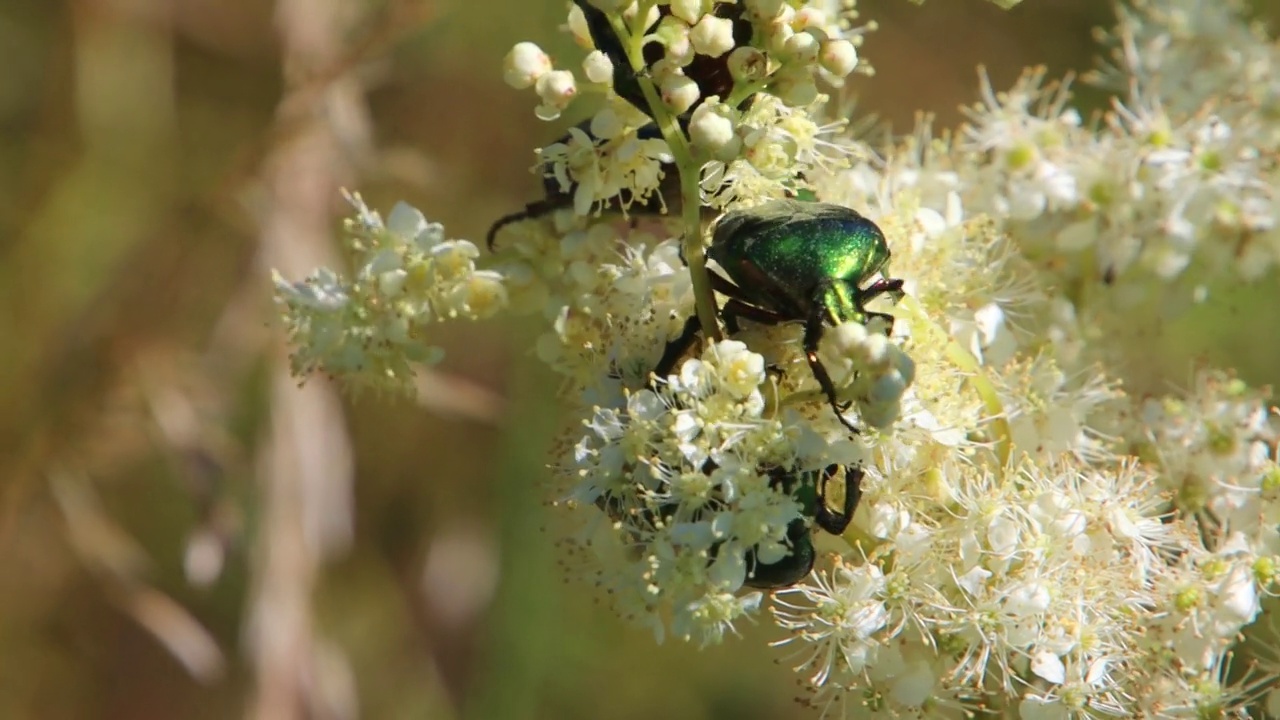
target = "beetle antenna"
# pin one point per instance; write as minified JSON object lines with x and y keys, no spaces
{"x":532,"y":210}
{"x":502,"y":222}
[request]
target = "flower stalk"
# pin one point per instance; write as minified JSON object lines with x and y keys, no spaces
{"x":689,"y":169}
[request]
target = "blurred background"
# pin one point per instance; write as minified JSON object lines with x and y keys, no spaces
{"x":184,"y":533}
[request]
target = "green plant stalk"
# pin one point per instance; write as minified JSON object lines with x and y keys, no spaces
{"x":978,"y":380}
{"x":687,"y":165}
{"x":744,"y":90}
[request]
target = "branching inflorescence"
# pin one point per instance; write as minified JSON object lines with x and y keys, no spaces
{"x":1029,"y":541}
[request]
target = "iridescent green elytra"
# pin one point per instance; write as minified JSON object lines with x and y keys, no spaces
{"x":796,"y":261}
{"x":796,"y":257}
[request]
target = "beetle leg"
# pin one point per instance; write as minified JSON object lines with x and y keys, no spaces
{"x":736,"y":308}
{"x":886,"y":317}
{"x":827,"y":519}
{"x":812,"y":334}
{"x":892,"y":286}
{"x":724,"y":286}
{"x":678,"y":347}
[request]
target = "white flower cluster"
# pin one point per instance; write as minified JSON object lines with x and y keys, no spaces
{"x":1026,"y":539}
{"x":683,"y":473}
{"x":791,"y":48}
{"x":369,"y":330}
{"x":1180,"y":178}
{"x":757,"y":128}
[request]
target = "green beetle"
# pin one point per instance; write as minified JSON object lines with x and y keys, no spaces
{"x":828,"y":497}
{"x":795,"y":261}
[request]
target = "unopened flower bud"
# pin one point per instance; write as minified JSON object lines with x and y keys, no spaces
{"x":524,"y":64}
{"x":673,"y":33}
{"x":764,"y":8}
{"x":651,"y":17}
{"x":557,"y":88}
{"x":597,"y":67}
{"x":679,"y":92}
{"x":838,"y":57}
{"x":712,"y":36}
{"x":809,"y":17}
{"x":578,"y":27}
{"x":712,"y":128}
{"x":690,"y":11}
{"x":776,"y":34}
{"x":847,"y":338}
{"x":802,"y":47}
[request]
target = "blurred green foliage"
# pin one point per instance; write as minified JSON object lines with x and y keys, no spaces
{"x":136,"y":139}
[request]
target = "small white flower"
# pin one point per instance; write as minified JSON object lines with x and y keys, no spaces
{"x":1048,"y":665}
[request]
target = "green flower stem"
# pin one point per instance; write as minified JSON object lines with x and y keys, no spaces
{"x":860,"y":539}
{"x":744,"y":90}
{"x":690,"y":169}
{"x":922,"y":326}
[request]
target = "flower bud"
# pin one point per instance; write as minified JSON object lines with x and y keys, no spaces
{"x":557,"y":88}
{"x":712,"y":128}
{"x":690,"y":11}
{"x":598,"y":67}
{"x":712,"y":36}
{"x":809,"y":17}
{"x":838,"y":57}
{"x":764,"y":8}
{"x":847,"y":338}
{"x":673,"y":33}
{"x":776,"y":34}
{"x":679,"y":92}
{"x":651,"y":17}
{"x":802,"y":47}
{"x":524,"y":64}
{"x":578,"y":27}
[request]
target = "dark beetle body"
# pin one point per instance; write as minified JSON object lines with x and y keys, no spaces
{"x":813,"y":492}
{"x":813,"y":489}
